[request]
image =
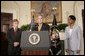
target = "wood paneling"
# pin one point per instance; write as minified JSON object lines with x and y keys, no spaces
{"x":34,"y":52}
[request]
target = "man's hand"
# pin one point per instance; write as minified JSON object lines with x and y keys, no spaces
{"x":67,"y":50}
{"x":78,"y":51}
{"x":16,"y":44}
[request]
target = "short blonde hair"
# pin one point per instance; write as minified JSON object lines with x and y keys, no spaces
{"x":15,"y":20}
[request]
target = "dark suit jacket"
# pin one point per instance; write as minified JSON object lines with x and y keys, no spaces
{"x":13,"y":38}
{"x":45,"y":27}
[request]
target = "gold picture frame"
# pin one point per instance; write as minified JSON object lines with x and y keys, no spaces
{"x":48,"y":9}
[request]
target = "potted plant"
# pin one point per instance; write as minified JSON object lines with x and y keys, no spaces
{"x":25,"y":27}
{"x":61,"y":27}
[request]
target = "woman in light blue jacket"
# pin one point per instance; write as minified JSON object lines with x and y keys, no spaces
{"x":72,"y":37}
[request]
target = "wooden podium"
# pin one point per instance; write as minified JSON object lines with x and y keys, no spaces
{"x":35,"y":43}
{"x":34,"y":52}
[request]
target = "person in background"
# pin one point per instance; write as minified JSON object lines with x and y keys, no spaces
{"x":4,"y":44}
{"x":14,"y":36}
{"x":72,"y":35}
{"x":55,"y":48}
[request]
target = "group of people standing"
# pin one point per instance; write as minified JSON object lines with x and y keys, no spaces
{"x":72,"y":35}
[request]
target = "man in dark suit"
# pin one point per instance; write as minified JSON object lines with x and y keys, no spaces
{"x":14,"y":35}
{"x":40,"y":26}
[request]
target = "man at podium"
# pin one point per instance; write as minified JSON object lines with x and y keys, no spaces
{"x":29,"y":39}
{"x":40,"y":25}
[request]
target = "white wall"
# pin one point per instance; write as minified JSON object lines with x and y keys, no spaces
{"x":20,"y":10}
{"x":9,"y":7}
{"x":67,"y":9}
{"x":79,"y":5}
{"x":25,"y":12}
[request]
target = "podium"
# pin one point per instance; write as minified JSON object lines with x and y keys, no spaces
{"x":35,"y":43}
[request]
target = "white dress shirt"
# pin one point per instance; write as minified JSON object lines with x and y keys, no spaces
{"x":70,"y":31}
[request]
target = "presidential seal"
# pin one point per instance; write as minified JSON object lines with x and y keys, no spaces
{"x":34,"y":38}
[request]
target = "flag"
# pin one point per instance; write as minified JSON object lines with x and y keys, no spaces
{"x":32,"y":24}
{"x":54,"y":23}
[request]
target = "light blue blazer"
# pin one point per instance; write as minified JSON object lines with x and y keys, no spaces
{"x":72,"y":41}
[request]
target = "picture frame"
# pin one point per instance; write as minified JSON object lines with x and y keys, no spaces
{"x":48,"y":9}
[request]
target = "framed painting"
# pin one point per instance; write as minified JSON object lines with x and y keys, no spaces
{"x":48,"y":9}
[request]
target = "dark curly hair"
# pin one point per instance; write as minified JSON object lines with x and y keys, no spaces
{"x":72,"y":17}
